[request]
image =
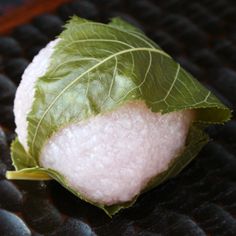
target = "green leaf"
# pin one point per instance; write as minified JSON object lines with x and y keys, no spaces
{"x":20,"y":158}
{"x":121,"y":24}
{"x":96,"y":68}
{"x":35,"y":173}
{"x":130,"y":29}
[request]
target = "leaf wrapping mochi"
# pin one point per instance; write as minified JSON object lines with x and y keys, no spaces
{"x":108,"y":114}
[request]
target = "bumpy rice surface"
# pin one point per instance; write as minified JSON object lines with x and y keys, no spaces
{"x":111,"y":157}
{"x":25,"y":92}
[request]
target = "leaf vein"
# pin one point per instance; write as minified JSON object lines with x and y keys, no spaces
{"x":84,"y":73}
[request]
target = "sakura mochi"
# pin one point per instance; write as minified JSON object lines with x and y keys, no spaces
{"x":111,"y":157}
{"x":108,"y":114}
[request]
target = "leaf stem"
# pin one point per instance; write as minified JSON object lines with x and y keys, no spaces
{"x":23,"y":175}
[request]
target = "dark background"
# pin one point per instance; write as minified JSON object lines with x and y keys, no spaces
{"x":201,"y":36}
{"x":7,"y":5}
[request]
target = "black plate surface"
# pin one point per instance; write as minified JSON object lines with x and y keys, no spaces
{"x":201,"y":35}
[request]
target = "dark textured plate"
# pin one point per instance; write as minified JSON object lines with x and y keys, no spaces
{"x":201,"y":35}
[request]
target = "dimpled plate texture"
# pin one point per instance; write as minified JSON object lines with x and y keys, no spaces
{"x":201,"y":36}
